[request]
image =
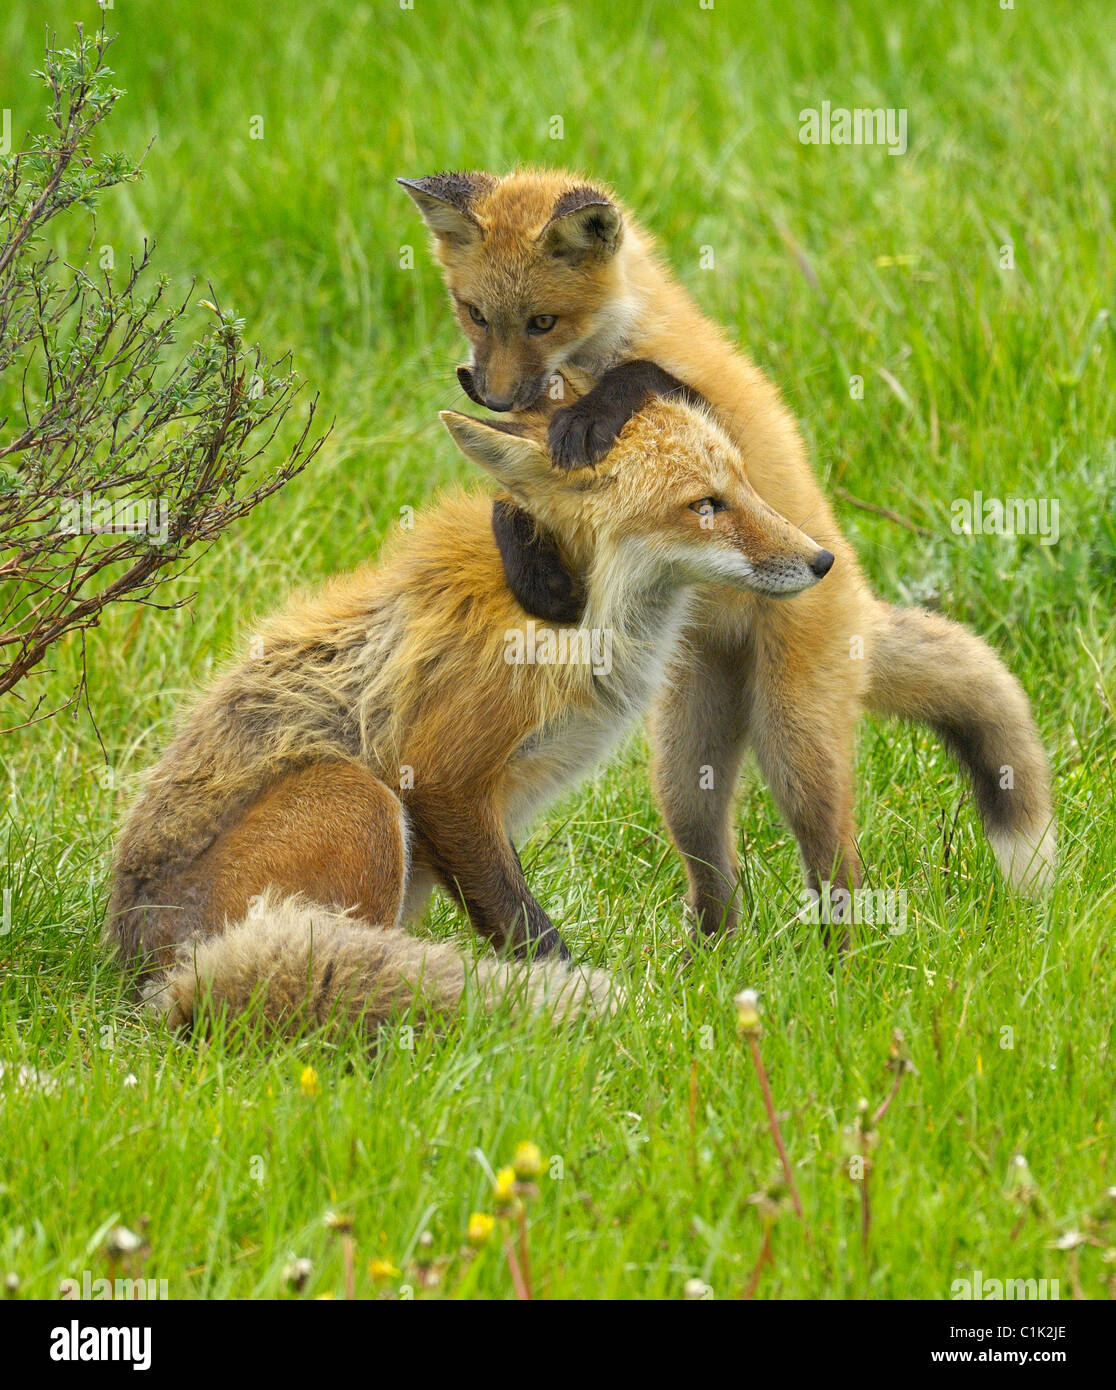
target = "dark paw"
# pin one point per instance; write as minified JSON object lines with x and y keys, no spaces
{"x":465,"y":377}
{"x":581,"y":434}
{"x":547,"y":945}
{"x":535,"y":571}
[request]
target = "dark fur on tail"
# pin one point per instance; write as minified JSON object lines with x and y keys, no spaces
{"x":933,"y":671}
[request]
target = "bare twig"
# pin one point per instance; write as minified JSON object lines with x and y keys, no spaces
{"x":885,"y":512}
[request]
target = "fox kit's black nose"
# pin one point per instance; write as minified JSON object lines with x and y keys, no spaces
{"x":499,"y":402}
{"x":822,"y":563}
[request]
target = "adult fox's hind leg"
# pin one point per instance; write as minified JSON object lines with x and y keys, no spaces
{"x":805,"y":712}
{"x":331,"y":832}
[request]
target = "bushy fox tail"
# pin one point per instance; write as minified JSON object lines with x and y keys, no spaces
{"x":301,"y":966}
{"x":928,"y":669}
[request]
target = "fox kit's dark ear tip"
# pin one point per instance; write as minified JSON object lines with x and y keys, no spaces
{"x":455,"y":187}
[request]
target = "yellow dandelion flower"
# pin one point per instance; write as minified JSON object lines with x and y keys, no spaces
{"x":481,"y":1226}
{"x":505,"y":1187}
{"x":528,"y":1161}
{"x":308,"y":1082}
{"x":382,"y":1269}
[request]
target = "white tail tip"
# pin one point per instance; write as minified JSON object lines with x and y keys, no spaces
{"x":1026,"y":862}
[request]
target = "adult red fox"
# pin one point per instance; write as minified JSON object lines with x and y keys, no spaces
{"x":398,"y":729}
{"x":546,"y":270}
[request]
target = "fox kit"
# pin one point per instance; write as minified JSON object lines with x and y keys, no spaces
{"x":546,"y":270}
{"x":389,"y":734}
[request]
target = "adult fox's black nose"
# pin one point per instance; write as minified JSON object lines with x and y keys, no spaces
{"x":822,"y":563}
{"x":499,"y":402}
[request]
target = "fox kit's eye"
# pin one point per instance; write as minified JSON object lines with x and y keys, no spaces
{"x":541,"y":323}
{"x":708,"y":506}
{"x":477,"y":317}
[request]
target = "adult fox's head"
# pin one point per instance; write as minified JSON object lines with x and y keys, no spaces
{"x":669,"y":506}
{"x":533,"y":266}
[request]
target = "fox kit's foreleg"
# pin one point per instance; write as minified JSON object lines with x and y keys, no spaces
{"x":467,"y":849}
{"x":578,"y":434}
{"x":331,"y":832}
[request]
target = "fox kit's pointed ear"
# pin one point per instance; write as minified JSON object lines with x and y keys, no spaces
{"x":513,"y":457}
{"x":584,"y":224}
{"x":446,"y":203}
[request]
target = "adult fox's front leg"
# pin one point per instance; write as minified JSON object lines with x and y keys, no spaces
{"x":467,"y":850}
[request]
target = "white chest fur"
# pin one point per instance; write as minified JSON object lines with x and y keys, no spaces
{"x":562,"y":752}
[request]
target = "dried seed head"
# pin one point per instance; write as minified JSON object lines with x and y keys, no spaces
{"x":1021,"y":1185}
{"x":1070,"y":1240}
{"x":747,"y":1014}
{"x":297,"y":1274}
{"x":120,"y":1242}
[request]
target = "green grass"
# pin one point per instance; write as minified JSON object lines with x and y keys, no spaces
{"x":995,"y":380}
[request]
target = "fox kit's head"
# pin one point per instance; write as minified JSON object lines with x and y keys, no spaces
{"x":534,"y":268}
{"x":669,"y":506}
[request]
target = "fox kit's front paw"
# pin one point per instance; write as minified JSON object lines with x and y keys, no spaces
{"x":582,"y":433}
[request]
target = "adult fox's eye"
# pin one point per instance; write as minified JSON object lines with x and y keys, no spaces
{"x":541,"y":323}
{"x":708,"y":506}
{"x":477,"y":317}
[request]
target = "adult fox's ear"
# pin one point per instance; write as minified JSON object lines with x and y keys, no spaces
{"x":446,"y":203}
{"x":506,"y":451}
{"x":583,"y":224}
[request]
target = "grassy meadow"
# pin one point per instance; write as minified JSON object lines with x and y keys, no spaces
{"x":981,"y":369}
